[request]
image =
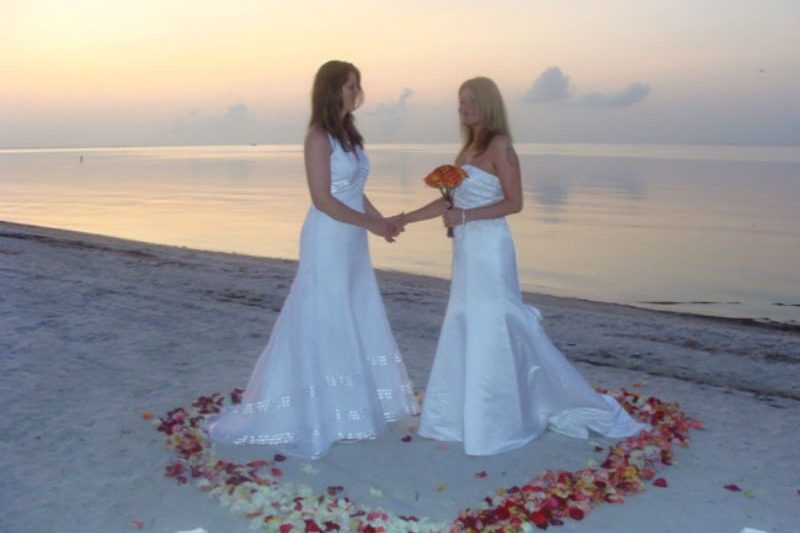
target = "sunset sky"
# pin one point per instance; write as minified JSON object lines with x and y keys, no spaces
{"x":147,"y":72}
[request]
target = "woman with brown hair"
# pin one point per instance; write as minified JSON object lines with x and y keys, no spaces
{"x":497,"y":381}
{"x":331,"y":370}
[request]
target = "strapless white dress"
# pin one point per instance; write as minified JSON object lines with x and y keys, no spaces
{"x":331,"y":369}
{"x":497,"y":381}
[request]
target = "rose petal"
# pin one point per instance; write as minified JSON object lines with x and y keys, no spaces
{"x":407,"y":438}
{"x":733,"y":488}
{"x":575,"y":513}
{"x":481,"y":474}
{"x":137,"y":524}
{"x":660,"y":482}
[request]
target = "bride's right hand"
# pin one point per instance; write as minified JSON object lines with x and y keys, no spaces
{"x":399,"y":223}
{"x":382,"y":228}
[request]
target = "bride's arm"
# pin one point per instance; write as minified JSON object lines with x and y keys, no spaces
{"x":317,"y":156}
{"x":370,"y":209}
{"x":506,"y":167}
{"x":431,"y":210}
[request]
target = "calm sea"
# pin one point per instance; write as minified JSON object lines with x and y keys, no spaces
{"x":711,"y":230}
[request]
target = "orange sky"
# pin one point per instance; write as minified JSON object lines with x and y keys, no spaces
{"x":127,"y":71}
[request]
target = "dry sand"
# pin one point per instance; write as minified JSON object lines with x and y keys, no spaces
{"x":96,"y":330}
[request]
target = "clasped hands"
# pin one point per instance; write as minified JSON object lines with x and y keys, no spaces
{"x":390,"y":227}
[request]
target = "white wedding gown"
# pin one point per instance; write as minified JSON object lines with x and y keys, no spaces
{"x":497,"y":381}
{"x":331,"y":369}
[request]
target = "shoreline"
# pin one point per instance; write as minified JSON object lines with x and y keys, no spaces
{"x":663,"y":343}
{"x":7,"y":227}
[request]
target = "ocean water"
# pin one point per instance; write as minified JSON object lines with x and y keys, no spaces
{"x":699,"y":229}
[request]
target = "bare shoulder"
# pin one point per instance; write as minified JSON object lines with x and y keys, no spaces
{"x":317,"y":139}
{"x":502,"y":151}
{"x":500,"y":143}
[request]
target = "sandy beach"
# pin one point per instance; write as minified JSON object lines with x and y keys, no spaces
{"x":94,"y":331}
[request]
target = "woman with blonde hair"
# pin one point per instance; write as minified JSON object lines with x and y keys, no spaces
{"x":331,"y":370}
{"x":497,"y":381}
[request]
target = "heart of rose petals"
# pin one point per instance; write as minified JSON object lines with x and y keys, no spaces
{"x":183,"y":435}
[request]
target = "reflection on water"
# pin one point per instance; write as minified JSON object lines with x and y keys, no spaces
{"x":701,"y":229}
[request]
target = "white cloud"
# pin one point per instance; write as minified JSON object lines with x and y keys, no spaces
{"x":630,"y":95}
{"x":551,"y":86}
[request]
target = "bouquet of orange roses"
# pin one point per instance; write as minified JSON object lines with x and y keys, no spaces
{"x":446,"y":178}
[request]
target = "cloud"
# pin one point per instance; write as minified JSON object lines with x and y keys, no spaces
{"x":239,"y":124}
{"x":551,"y":86}
{"x":630,"y":95}
{"x":393,"y":108}
{"x":385,"y":121}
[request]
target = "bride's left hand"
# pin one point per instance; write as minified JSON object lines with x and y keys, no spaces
{"x":452,"y":217}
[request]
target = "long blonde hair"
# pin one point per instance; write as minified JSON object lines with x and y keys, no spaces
{"x":492,"y":114}
{"x":326,"y":103}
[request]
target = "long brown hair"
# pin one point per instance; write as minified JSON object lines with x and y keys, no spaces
{"x":492,"y":112}
{"x":326,"y":103}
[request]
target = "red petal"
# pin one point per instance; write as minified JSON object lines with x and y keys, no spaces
{"x":575,"y":513}
{"x":312,"y":526}
{"x":137,"y":524}
{"x":735,"y":488}
{"x":276,"y":472}
{"x":660,"y":482}
{"x":278,"y":457}
{"x":481,"y":474}
{"x":285,"y":528}
{"x":407,"y":438}
{"x":539,"y":519}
